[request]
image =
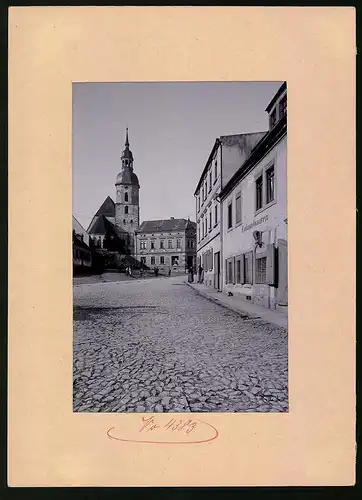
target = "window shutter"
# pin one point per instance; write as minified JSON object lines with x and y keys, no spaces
{"x":270,"y":265}
{"x":242,"y":267}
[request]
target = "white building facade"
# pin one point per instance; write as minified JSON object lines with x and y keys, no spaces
{"x":226,"y":156}
{"x":254,"y":222}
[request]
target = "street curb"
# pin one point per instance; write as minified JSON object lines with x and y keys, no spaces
{"x":226,"y":306}
{"x":243,"y":314}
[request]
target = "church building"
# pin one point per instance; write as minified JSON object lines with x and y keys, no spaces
{"x":113,"y":226}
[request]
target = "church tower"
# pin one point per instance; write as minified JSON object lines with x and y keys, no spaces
{"x":127,"y":196}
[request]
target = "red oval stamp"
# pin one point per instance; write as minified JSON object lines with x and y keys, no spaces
{"x":162,"y":429}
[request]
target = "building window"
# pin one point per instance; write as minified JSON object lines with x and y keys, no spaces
{"x":215,"y":173}
{"x":162,"y":259}
{"x":124,"y":221}
{"x":210,"y":220}
{"x":126,"y":209}
{"x":143,"y":245}
{"x":152,"y":245}
{"x":205,"y":188}
{"x":259,"y":192}
{"x":230,"y":271}
{"x":238,"y":271}
{"x":270,"y":184}
{"x":174,"y":260}
{"x":215,"y":215}
{"x":203,"y":193}
{"x":199,"y":229}
{"x":169,"y":243}
{"x":143,"y":261}
{"x":238,"y":209}
{"x":230,"y":215}
{"x":283,"y":106}
{"x":248,"y":278}
{"x":210,"y":180}
{"x":206,"y":225}
{"x":273,"y":118}
{"x":203,"y":228}
{"x":153,"y":261}
{"x":260,"y":271}
{"x":162,"y":244}
{"x":125,"y":196}
{"x":178,"y":243}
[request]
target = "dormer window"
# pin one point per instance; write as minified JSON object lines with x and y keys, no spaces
{"x":273,"y":118}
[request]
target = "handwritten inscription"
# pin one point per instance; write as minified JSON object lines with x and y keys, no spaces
{"x":186,"y":426}
{"x":161,"y":429}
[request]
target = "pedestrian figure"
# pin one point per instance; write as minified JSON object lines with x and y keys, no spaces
{"x":200,"y":273}
{"x":156,"y":271}
{"x":169,"y":272}
{"x":141,"y":271}
{"x":191,"y":275}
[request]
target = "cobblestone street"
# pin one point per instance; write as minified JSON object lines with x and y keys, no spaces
{"x":157,"y":346}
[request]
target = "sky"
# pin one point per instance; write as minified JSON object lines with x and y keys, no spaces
{"x":172,"y":129}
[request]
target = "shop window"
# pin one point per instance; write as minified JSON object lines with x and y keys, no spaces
{"x":230,"y":215}
{"x":260,"y":270}
{"x":270,"y":184}
{"x":259,"y":192}
{"x":238,"y":209}
{"x":238,"y":271}
{"x":248,"y":268}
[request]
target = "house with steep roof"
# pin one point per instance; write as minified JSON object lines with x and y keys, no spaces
{"x":168,"y":244}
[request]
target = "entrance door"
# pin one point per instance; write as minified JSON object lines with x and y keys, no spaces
{"x":217,"y":270}
{"x":282,"y":273}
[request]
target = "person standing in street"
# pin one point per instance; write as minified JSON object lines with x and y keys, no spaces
{"x":200,"y":273}
{"x":191,"y":275}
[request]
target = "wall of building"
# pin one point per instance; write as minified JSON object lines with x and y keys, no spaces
{"x":270,"y":220}
{"x":169,"y":255}
{"x":208,"y":236}
{"x":234,"y":151}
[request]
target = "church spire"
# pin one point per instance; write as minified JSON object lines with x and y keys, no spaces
{"x":127,"y":141}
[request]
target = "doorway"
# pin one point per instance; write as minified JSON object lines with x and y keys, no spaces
{"x":217,"y":270}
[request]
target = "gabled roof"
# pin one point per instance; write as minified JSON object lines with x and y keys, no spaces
{"x":107,"y":208}
{"x":103,"y":225}
{"x":164,"y":225}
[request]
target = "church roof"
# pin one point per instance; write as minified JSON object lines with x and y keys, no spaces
{"x":103,"y":225}
{"x":107,"y":208}
{"x":164,"y":225}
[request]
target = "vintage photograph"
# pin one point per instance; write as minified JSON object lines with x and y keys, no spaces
{"x":180,"y":253}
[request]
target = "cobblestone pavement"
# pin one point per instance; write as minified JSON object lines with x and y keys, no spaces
{"x":158,"y":346}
